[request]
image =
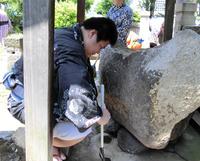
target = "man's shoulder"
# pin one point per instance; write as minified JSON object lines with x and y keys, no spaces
{"x":63,"y":31}
{"x":64,"y":36}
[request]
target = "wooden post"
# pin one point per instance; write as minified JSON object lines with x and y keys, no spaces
{"x":80,"y":10}
{"x":169,"y":19}
{"x":38,"y":59}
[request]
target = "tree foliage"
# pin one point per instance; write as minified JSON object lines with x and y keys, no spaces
{"x":14,"y":10}
{"x":104,"y":6}
{"x":65,"y":13}
{"x":88,"y":4}
{"x":136,"y":17}
{"x":148,"y":5}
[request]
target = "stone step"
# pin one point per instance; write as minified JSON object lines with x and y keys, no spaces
{"x":195,"y":121}
{"x":196,"y":117}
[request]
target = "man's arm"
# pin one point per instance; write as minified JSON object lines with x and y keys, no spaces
{"x":77,"y":95}
{"x":105,"y":117}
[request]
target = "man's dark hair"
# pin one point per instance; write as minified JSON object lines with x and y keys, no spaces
{"x":106,"y":29}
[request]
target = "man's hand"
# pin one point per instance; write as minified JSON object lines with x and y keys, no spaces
{"x":105,"y":118}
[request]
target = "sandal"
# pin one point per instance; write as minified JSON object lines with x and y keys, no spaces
{"x":60,"y":154}
{"x":57,"y":158}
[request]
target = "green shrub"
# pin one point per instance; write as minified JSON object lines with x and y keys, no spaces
{"x":104,"y":6}
{"x":65,"y":14}
{"x":14,"y":11}
{"x":88,"y":3}
{"x":148,"y":5}
{"x":136,"y":17}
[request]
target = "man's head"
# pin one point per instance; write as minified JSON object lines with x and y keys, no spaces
{"x":98,"y":33}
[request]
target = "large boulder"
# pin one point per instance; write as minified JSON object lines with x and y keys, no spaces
{"x":150,"y":91}
{"x":194,"y":28}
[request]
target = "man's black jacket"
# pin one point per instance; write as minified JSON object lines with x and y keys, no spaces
{"x":74,"y":88}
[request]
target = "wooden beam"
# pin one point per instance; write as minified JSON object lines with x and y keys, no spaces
{"x":38,"y":63}
{"x":80,"y":10}
{"x":169,"y":19}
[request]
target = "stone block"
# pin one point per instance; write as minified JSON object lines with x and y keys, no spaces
{"x":150,"y":91}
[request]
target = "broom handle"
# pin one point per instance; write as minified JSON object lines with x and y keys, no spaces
{"x":102,"y":106}
{"x":102,"y":138}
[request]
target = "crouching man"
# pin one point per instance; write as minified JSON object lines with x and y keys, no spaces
{"x":75,"y":106}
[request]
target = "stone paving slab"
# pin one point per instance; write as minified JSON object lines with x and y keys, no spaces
{"x":185,"y":149}
{"x":189,"y":145}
